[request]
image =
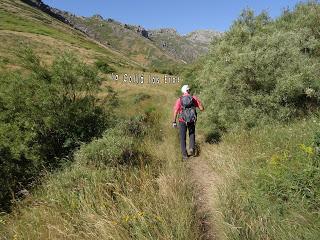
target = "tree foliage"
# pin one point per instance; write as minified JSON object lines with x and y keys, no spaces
{"x":263,"y":69}
{"x":44,"y":116}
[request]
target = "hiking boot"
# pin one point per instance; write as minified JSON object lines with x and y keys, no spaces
{"x":184,"y":158}
{"x":192,"y":153}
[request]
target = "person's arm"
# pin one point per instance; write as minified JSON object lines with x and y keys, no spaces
{"x":175,"y":113}
{"x":198,"y":103}
{"x":174,"y":116}
{"x":201,"y":107}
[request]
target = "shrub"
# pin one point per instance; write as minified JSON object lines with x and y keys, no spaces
{"x":213,"y":137}
{"x":112,"y":99}
{"x":141,"y":97}
{"x":104,"y":67}
{"x":44,"y":117}
{"x":120,"y":145}
{"x":112,"y":149}
{"x":263,"y":69}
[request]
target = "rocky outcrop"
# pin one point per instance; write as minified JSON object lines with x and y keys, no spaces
{"x":186,"y":47}
{"x":97,"y":17}
{"x":143,"y":32}
{"x":47,"y":9}
{"x":202,"y":36}
{"x":63,"y":16}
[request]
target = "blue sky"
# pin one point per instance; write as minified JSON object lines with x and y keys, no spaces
{"x":184,"y":16}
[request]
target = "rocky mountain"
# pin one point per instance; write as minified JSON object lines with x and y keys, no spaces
{"x":152,"y":48}
{"x":202,"y":36}
{"x":186,"y":47}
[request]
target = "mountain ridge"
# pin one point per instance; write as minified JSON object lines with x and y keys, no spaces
{"x":109,"y":32}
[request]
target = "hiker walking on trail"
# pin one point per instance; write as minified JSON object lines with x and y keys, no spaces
{"x":185,"y":107}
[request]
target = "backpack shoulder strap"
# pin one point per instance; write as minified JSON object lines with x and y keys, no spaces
{"x":181,"y":101}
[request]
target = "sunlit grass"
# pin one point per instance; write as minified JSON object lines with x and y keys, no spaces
{"x":270,"y":182}
{"x":152,"y":200}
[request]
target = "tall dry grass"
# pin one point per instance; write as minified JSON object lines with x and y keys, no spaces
{"x":148,"y":200}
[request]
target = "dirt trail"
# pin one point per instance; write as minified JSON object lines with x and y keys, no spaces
{"x":202,"y":175}
{"x":205,"y":182}
{"x":204,"y":179}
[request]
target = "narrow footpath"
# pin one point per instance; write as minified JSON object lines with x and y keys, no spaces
{"x":205,"y":183}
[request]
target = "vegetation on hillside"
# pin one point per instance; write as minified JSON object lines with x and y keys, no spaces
{"x":126,"y":184}
{"x":261,"y":88}
{"x":264,"y":69}
{"x":117,"y":171}
{"x":44,"y":116}
{"x":22,"y":25}
{"x":124,"y":39}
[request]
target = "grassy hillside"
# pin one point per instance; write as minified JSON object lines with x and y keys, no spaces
{"x":105,"y":194}
{"x":124,"y":39}
{"x":270,"y":181}
{"x":23,"y":26}
{"x":83,"y":158}
{"x":260,"y":84}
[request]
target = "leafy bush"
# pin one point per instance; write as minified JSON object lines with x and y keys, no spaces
{"x":112,"y":99}
{"x":136,"y":126}
{"x":44,"y":117}
{"x":104,"y":67}
{"x":263,"y":69}
{"x":140,"y":97}
{"x":121,"y":145}
{"x":112,"y":149}
{"x":316,"y":140}
{"x":213,"y":137}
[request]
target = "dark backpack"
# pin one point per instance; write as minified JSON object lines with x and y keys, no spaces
{"x":188,"y":113}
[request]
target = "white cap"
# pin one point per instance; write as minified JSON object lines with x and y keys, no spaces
{"x":185,"y":88}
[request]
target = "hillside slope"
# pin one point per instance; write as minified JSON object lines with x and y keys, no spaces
{"x":120,"y":37}
{"x":158,"y":48}
{"x":24,"y":26}
{"x":114,"y":35}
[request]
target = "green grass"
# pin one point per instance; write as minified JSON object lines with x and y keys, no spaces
{"x":147,"y":197}
{"x":29,"y":27}
{"x":21,"y":24}
{"x":271,"y":182}
{"x":151,"y":199}
{"x":140,"y":97}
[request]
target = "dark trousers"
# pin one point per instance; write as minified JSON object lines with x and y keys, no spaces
{"x":192,"y":136}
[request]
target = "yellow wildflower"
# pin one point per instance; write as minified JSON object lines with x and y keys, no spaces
{"x":126,"y":218}
{"x":141,"y":214}
{"x":307,"y":149}
{"x":275,"y":159}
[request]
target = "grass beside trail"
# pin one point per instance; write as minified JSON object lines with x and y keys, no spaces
{"x":270,"y":178}
{"x":151,"y":199}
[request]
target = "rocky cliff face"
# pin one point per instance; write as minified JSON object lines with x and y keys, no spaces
{"x":120,"y":36}
{"x":47,"y":9}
